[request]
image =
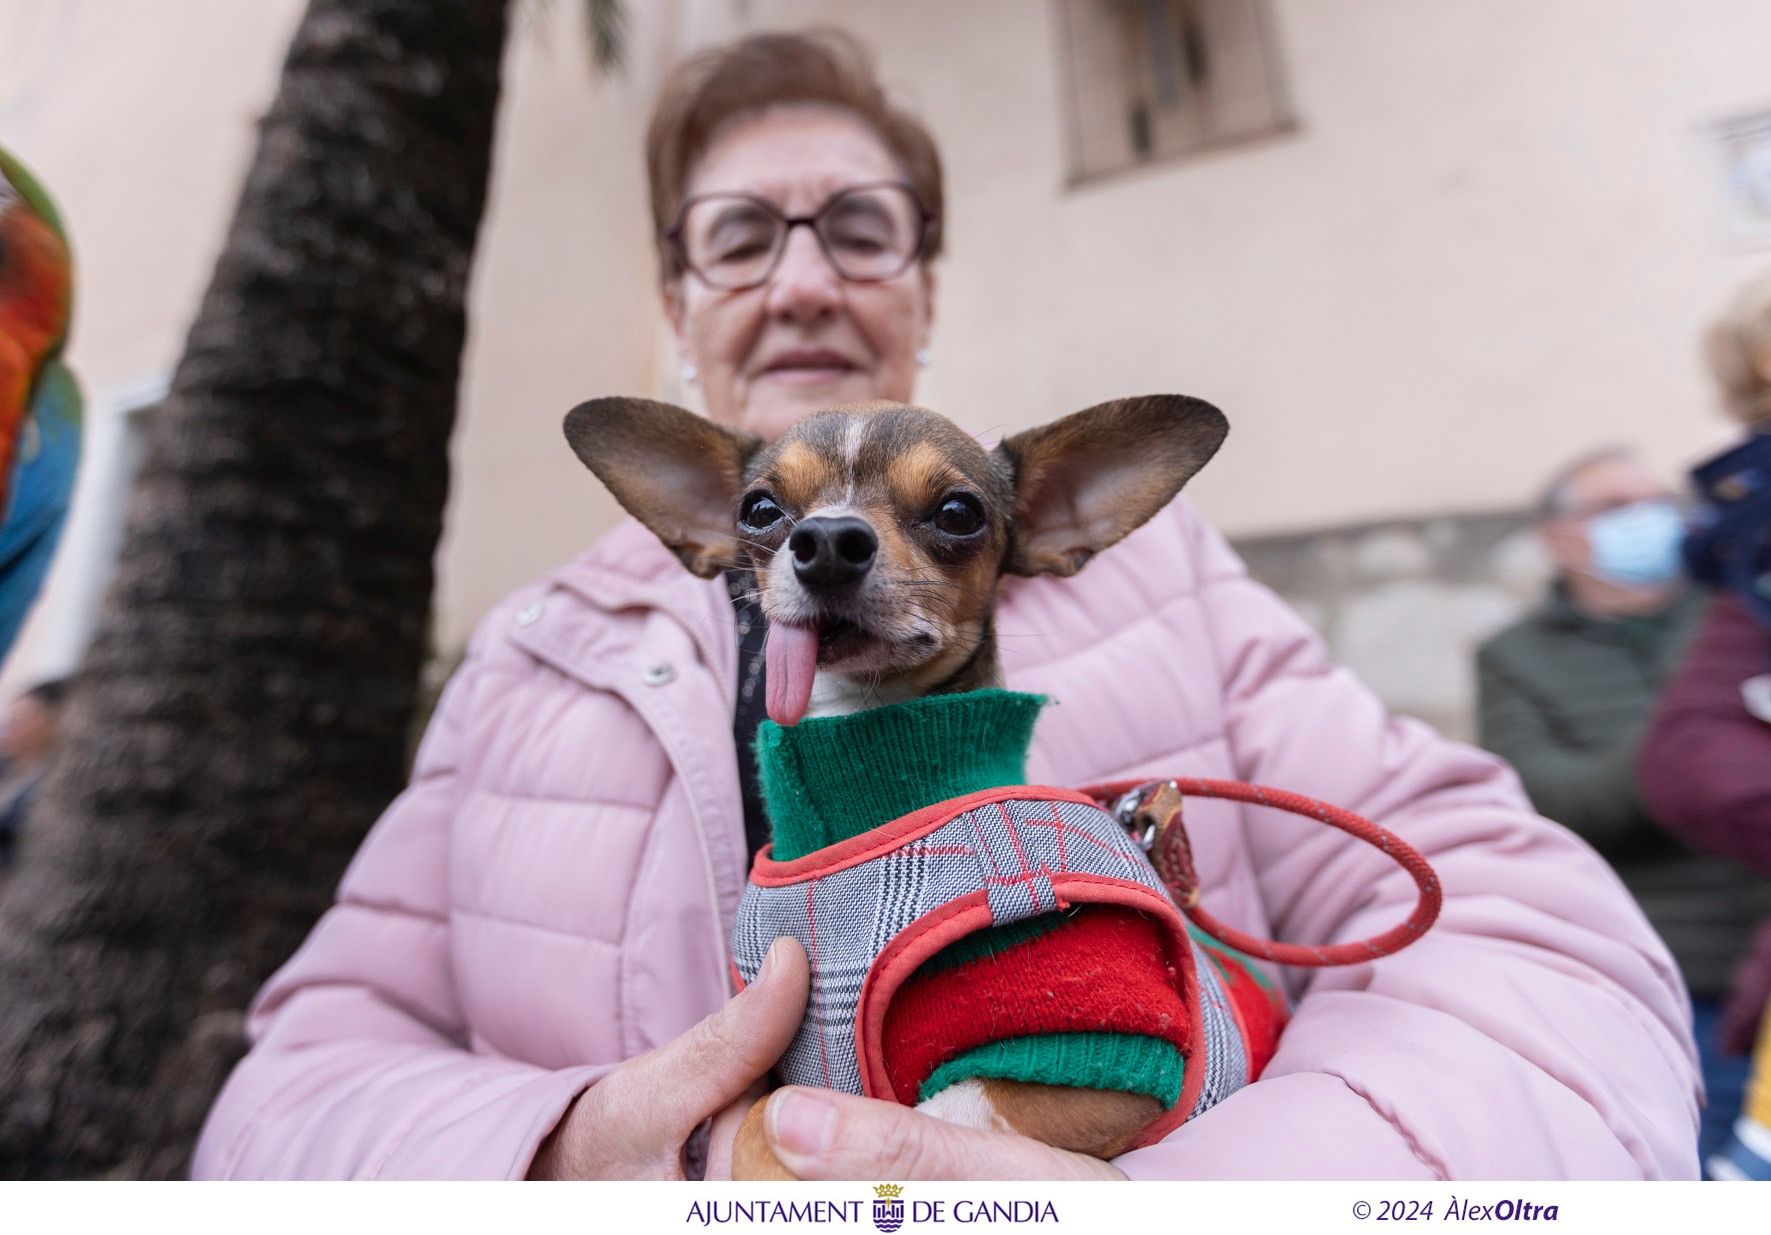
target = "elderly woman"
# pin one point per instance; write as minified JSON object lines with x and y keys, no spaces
{"x":526,"y":971}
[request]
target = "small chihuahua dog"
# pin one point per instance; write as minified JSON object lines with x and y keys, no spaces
{"x":878,"y":534}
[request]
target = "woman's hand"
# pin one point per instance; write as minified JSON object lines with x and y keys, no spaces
{"x":632,"y":1123}
{"x":818,"y":1134}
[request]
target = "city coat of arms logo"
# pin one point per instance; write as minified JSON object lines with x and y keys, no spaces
{"x":888,"y":1207}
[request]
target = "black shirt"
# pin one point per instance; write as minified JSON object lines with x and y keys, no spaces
{"x":752,"y":704}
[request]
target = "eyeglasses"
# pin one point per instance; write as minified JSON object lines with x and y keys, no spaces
{"x":734,"y":241}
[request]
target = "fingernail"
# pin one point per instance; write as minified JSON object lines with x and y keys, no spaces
{"x":769,"y":959}
{"x":803,"y":1123}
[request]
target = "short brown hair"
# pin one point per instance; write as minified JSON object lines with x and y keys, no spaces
{"x":716,"y":86}
{"x":1734,"y":346}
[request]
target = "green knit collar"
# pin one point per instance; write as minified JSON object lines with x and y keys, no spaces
{"x":830,"y":778}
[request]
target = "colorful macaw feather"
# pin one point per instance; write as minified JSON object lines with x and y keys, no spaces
{"x":40,"y":408}
{"x":30,"y":192}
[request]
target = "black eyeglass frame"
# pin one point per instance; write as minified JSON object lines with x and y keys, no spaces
{"x":923,"y":221}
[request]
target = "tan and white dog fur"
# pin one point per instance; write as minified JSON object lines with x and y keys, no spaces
{"x":877,"y":534}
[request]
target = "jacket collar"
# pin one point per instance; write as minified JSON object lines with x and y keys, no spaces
{"x":628,"y":569}
{"x":1559,"y":610}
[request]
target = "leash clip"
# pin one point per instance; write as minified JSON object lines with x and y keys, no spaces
{"x":1151,"y":813}
{"x":1129,"y":811}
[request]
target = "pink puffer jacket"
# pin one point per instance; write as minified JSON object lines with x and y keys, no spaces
{"x":553,"y":894}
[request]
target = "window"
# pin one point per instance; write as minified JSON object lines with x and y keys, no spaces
{"x":1162,"y":79}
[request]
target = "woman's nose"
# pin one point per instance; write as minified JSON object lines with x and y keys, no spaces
{"x":804,"y":286}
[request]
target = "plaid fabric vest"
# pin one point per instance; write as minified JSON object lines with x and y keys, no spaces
{"x":871,"y":909}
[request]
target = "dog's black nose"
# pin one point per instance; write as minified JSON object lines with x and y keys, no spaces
{"x":831,"y":552}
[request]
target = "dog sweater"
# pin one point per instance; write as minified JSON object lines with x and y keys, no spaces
{"x":963,"y":924}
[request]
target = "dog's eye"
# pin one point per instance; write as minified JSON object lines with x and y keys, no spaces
{"x":960,"y":515}
{"x":759,"y":512}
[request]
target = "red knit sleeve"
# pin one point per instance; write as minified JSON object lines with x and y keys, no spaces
{"x":1705,"y":762}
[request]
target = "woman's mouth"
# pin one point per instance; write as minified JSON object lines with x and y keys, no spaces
{"x":807,"y":366}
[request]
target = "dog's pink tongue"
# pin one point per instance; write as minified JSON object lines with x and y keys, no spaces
{"x":791,"y":660}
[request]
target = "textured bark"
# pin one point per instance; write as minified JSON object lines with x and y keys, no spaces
{"x":243,"y":710}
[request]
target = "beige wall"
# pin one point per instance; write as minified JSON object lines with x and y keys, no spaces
{"x":563,"y":307}
{"x":1488,"y":244}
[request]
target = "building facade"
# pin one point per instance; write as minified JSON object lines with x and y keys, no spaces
{"x":1418,"y":252}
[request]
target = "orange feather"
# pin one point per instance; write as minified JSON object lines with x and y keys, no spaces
{"x":36,"y":293}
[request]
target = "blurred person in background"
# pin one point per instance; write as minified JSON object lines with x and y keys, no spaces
{"x":1565,"y":694}
{"x":526,"y":972}
{"x":1705,"y":765}
{"x":27,"y":741}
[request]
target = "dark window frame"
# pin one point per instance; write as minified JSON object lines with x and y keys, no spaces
{"x":1083,"y":167}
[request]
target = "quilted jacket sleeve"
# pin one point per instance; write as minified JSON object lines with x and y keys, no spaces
{"x":359,"y":1066}
{"x":1539,"y":1030}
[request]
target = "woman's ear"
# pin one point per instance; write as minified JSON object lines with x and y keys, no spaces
{"x":676,"y":472}
{"x":1083,"y":482}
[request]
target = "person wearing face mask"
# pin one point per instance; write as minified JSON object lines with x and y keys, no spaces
{"x":1565,"y":695}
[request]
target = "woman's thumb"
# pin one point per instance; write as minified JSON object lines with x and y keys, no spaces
{"x":707,"y":1068}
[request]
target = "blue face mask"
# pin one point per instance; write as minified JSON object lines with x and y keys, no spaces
{"x":1637,"y":545}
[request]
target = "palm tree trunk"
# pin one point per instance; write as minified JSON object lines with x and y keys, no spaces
{"x":242,"y":715}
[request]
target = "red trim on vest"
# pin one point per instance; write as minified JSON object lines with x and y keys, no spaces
{"x":928,"y":935}
{"x":887,"y":837}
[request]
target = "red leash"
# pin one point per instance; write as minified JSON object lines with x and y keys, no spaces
{"x":1172,"y":856}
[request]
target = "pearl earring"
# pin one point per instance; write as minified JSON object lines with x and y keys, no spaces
{"x":690,"y":373}
{"x":923,"y":357}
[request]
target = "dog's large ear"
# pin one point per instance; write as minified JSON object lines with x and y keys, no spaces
{"x":674,"y":471}
{"x":1083,"y":482}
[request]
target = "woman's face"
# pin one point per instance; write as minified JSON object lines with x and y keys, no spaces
{"x":807,"y":338}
